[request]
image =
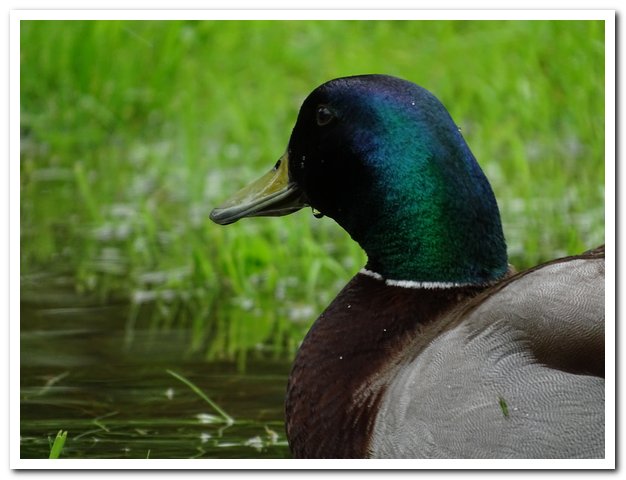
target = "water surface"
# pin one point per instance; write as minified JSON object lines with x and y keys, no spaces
{"x":117,"y":400}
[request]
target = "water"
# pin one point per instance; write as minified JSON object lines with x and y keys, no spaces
{"x":119,"y":401}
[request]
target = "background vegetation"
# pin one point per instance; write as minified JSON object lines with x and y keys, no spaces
{"x":132,"y":131}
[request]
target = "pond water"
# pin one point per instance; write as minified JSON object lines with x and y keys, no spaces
{"x":119,"y":401}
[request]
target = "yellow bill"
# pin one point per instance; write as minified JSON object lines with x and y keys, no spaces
{"x":271,"y":195}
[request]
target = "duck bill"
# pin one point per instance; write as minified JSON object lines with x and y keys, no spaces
{"x":271,"y":195}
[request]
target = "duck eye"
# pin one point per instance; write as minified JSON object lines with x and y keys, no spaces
{"x":324,"y":115}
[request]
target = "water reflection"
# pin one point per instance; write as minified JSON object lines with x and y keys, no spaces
{"x":118,"y":401}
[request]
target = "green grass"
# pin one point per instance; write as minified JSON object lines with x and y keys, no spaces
{"x":58,"y":444}
{"x":133,"y":131}
{"x":225,"y":418}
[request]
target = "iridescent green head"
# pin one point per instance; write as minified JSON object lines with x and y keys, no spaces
{"x":383,"y":158}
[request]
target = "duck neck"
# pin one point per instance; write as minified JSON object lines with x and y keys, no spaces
{"x":431,"y":220}
{"x":431,"y":247}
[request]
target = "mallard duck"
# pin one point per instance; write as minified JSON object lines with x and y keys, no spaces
{"x":435,"y":349}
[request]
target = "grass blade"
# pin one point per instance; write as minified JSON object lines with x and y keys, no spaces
{"x":227,"y":418}
{"x":57,"y":446}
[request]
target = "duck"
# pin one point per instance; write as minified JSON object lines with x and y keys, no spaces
{"x":436,"y":348}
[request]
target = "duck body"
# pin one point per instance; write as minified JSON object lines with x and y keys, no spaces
{"x":434,"y":349}
{"x":341,"y":374}
{"x":452,"y":373}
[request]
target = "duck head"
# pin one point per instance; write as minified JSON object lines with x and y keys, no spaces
{"x":384,"y":159}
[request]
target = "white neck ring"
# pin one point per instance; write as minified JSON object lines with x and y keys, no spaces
{"x":413,"y":283}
